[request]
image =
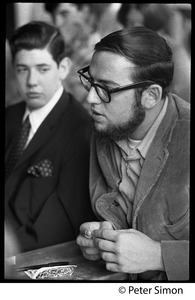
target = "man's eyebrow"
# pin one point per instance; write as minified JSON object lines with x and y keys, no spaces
{"x":108,"y":82}
{"x":43,"y":65}
{"x":20,"y":65}
{"x":38,"y":65}
{"x":105,"y":81}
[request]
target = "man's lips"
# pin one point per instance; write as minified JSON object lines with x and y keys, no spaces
{"x":96,"y":112}
{"x":33,"y":95}
{"x":96,"y":116}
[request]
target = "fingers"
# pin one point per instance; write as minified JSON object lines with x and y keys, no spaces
{"x":91,"y":253}
{"x":88,"y":248}
{"x":92,"y":257}
{"x":97,"y":240}
{"x":84,"y":242}
{"x":109,"y":257}
{"x":113,"y":267}
{"x":87,"y":228}
{"x":104,"y":245}
{"x":107,"y":234}
{"x":105,"y":225}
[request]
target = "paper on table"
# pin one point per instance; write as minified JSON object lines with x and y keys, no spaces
{"x":51,"y":272}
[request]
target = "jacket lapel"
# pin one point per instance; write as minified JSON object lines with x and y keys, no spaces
{"x":155,"y":159}
{"x":153,"y":166}
{"x":108,"y":169}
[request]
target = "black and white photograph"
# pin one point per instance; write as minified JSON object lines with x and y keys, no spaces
{"x":97,"y":149}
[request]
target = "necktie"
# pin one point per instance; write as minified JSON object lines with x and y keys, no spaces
{"x":18,"y":146}
{"x":131,"y":168}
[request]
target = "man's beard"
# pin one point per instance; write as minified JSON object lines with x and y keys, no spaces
{"x":125,"y":130}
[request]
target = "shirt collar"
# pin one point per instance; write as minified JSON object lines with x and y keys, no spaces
{"x":38,"y":115}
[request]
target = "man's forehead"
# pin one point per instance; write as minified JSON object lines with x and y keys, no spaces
{"x":111,"y":58}
{"x":34,"y":55}
{"x":105,"y":62}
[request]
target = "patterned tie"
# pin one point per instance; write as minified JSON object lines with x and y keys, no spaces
{"x":18,"y":147}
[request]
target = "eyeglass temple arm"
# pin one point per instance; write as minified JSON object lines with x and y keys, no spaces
{"x":137,"y":85}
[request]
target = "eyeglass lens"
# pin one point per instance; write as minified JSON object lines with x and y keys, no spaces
{"x":87,"y":83}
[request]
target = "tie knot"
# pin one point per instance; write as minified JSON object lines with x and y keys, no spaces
{"x":24,"y":132}
{"x":134,"y":155}
{"x":26,"y":123}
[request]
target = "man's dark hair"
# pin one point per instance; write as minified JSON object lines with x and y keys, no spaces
{"x":147,"y":50}
{"x":38,"y":35}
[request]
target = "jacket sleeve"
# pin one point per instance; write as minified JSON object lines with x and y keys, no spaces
{"x":175,"y":252}
{"x":73,"y":186}
{"x":176,"y":259}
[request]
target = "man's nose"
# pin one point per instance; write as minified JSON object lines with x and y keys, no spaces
{"x":32,"y":78}
{"x":92,"y":97}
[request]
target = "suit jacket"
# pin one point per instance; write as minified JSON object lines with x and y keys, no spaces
{"x":161,"y":203}
{"x":47,"y":193}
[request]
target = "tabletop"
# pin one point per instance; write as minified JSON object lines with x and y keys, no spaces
{"x":85,"y":269}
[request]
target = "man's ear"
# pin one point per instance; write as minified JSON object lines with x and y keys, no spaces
{"x":64,"y":67}
{"x":151,"y":96}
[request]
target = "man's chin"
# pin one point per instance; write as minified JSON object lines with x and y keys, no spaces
{"x":122,"y":131}
{"x":110,"y":135}
{"x":101,"y":133}
{"x":117,"y":133}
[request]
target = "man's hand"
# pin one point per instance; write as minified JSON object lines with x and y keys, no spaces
{"x":128,"y":251}
{"x":85,"y":239}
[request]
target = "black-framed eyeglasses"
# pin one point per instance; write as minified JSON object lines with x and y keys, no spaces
{"x":103,"y":92}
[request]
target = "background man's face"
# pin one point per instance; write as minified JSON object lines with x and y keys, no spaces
{"x":70,"y":20}
{"x":38,"y":76}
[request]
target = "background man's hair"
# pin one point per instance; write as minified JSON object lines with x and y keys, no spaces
{"x":38,"y":35}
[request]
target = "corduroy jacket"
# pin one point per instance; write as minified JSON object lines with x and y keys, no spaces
{"x":161,"y":203}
